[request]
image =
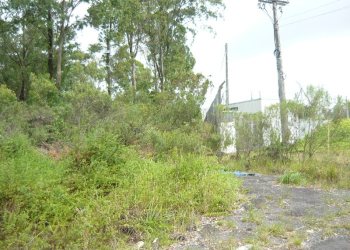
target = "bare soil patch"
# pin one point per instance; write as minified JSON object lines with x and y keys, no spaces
{"x":277,"y":217}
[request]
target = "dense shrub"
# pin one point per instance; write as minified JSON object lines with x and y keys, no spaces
{"x":7,"y":97}
{"x":85,"y":107}
{"x":96,"y":149}
{"x":11,"y":113}
{"x":99,"y":189}
{"x":42,"y":91}
{"x":104,"y":195}
{"x":292,"y":178}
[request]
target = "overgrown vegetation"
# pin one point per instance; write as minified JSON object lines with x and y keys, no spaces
{"x":318,"y":151}
{"x":98,"y":150}
{"x":85,"y":171}
{"x":84,"y":168}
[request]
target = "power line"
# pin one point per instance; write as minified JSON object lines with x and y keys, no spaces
{"x":312,"y":9}
{"x":313,"y":17}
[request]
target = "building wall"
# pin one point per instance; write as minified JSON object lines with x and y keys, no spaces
{"x":251,"y":106}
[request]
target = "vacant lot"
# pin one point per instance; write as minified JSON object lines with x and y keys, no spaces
{"x":278,"y":217}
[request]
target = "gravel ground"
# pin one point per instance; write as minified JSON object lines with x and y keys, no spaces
{"x":277,"y":217}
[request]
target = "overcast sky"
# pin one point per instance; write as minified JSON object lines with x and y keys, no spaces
{"x":315,"y":38}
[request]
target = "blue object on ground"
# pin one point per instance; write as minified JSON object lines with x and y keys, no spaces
{"x":238,"y":173}
{"x":242,"y":174}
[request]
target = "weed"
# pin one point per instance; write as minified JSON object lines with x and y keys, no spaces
{"x":253,"y":216}
{"x":264,"y":232}
{"x":109,"y":197}
{"x":295,"y":178}
{"x":296,"y":239}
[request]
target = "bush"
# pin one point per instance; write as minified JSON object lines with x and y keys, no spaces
{"x":109,"y":197}
{"x":98,"y":148}
{"x":7,"y":98}
{"x":14,"y":145}
{"x":295,"y":178}
{"x":42,"y":91}
{"x":86,"y":107}
{"x":32,"y":200}
{"x":167,"y":141}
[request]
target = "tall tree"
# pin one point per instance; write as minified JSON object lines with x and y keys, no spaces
{"x":65,"y":25}
{"x":169,"y":22}
{"x":120,"y":24}
{"x":20,"y":45}
{"x":103,"y":15}
{"x":132,"y":28}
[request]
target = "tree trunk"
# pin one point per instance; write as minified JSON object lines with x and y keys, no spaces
{"x":161,"y":69}
{"x":132,"y":56}
{"x":59,"y":63}
{"x":133,"y":73}
{"x":108,"y":63}
{"x":22,"y":93}
{"x":50,"y":63}
{"x":60,"y":46}
{"x":23,"y":68}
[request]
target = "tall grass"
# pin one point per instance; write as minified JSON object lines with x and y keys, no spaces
{"x":329,"y":170}
{"x":103,"y":194}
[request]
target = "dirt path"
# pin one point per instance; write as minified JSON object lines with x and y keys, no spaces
{"x":277,"y":217}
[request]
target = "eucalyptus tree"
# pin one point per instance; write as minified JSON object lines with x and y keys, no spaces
{"x":120,"y":23}
{"x":132,"y":28}
{"x":30,"y":31}
{"x":168,"y":24}
{"x":58,"y":23}
{"x":103,"y":15}
{"x":20,"y":45}
{"x":65,"y":25}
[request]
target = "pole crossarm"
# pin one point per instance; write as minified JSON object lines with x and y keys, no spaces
{"x":278,"y":2}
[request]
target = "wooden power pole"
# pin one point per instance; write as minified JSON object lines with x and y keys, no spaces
{"x":227,"y":86}
{"x":281,"y":89}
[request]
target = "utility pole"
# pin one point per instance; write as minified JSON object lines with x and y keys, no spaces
{"x":227,"y":88}
{"x":281,"y":89}
{"x":347,"y":108}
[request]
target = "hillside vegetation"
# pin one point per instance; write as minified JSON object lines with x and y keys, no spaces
{"x":106,"y":147}
{"x":97,"y":149}
{"x":79,"y":170}
{"x":318,"y":149}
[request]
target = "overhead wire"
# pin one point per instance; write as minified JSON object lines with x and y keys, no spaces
{"x":319,"y":15}
{"x":312,"y":9}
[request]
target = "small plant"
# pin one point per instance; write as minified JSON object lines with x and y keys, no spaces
{"x":265,"y":232}
{"x":294,"y":178}
{"x":253,"y":216}
{"x":296,"y":240}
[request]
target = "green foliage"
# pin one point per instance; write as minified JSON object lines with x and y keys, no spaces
{"x":42,"y":91}
{"x":249,"y":129}
{"x":339,"y":134}
{"x":311,"y":112}
{"x":111,"y":196}
{"x":75,"y":167}
{"x":178,"y":140}
{"x":295,"y":178}
{"x":12,"y":113}
{"x":97,"y":149}
{"x":86,"y":105}
{"x":7,"y":98}
{"x":172,"y":112}
{"x":14,"y":145}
